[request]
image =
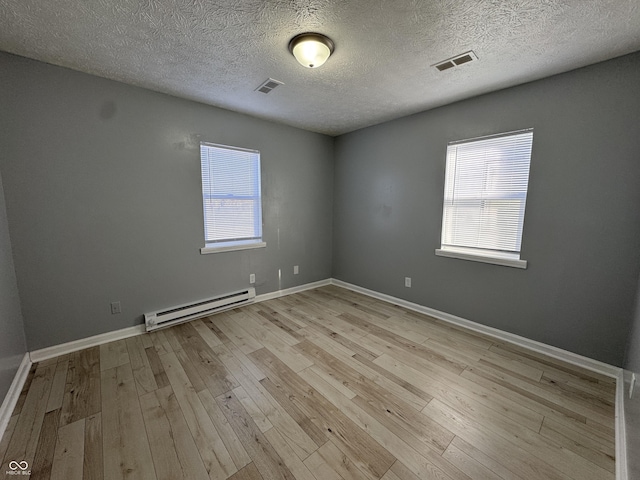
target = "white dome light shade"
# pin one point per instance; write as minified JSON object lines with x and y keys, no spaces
{"x":311,"y":49}
{"x":310,"y":53}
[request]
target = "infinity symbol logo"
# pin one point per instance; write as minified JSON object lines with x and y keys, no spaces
{"x":13,"y":465}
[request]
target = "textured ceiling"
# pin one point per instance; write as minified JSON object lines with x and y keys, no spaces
{"x":218,"y":51}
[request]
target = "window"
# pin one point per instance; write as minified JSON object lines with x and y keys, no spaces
{"x":484,"y":198}
{"x":231,"y":198}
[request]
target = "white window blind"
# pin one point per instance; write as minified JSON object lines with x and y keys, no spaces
{"x":231,"y":195}
{"x":485,"y":194}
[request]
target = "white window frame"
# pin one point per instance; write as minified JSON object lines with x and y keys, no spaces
{"x":490,"y":251}
{"x":230,"y":244}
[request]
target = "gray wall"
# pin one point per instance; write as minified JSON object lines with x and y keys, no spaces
{"x":103,"y":202}
{"x":582,"y":223}
{"x":102,"y":182}
{"x":12,"y":342}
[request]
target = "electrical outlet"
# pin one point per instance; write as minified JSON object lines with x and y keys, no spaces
{"x":632,"y":385}
{"x":116,"y":308}
{"x":407,"y":282}
{"x":296,"y":270}
{"x":252,"y":278}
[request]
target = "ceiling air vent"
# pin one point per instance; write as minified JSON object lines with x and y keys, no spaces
{"x":445,"y":65}
{"x":456,"y":61}
{"x":269,"y":85}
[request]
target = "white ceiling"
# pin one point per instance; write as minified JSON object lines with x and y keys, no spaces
{"x":218,"y":51}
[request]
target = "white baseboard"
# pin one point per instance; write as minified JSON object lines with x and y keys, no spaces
{"x":558,"y":353}
{"x":622,"y":472}
{"x":290,"y":291}
{"x":555,"y":352}
{"x":74,"y":346}
{"x":630,"y":379}
{"x":11,"y":398}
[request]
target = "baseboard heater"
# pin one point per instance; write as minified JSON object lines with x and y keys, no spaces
{"x":203,"y":308}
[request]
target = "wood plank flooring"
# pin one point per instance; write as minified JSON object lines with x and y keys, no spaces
{"x":321,"y":385}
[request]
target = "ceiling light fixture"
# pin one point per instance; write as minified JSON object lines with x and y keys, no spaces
{"x":311,"y":49}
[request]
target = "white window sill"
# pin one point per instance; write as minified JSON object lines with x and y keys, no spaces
{"x":505,"y":262}
{"x":231,"y":247}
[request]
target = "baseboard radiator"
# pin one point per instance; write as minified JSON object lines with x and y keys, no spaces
{"x":203,"y":308}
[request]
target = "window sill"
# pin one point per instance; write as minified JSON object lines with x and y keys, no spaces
{"x":231,"y":247}
{"x":505,"y":262}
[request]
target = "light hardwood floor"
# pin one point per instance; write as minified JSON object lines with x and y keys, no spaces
{"x":321,"y":385}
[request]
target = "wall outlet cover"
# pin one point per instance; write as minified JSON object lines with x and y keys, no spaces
{"x":252,"y":278}
{"x":116,"y":308}
{"x":407,"y":282}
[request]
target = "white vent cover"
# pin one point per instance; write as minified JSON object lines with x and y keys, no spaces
{"x":456,"y":61}
{"x":269,"y":85}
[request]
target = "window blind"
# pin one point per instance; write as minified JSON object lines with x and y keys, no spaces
{"x":486,"y":191}
{"x":231,"y":195}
